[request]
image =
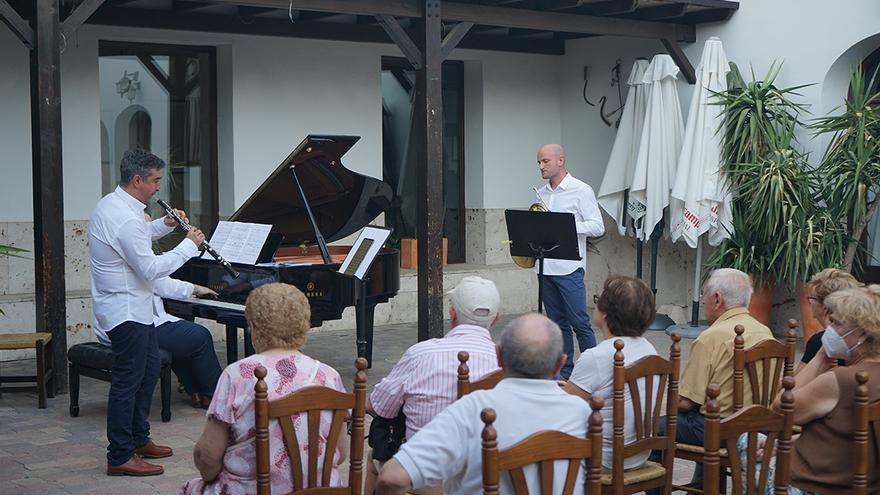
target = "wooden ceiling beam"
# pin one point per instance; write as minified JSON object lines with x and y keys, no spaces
{"x":79,"y":16}
{"x":20,"y":28}
{"x":490,"y":15}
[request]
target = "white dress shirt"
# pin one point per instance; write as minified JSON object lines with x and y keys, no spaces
{"x":573,"y":196}
{"x":124,"y":267}
{"x":449,"y":448}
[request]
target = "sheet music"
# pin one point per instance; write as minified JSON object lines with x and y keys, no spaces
{"x":364,"y":251}
{"x":240,"y":242}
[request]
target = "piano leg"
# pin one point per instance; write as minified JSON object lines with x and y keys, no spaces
{"x":248,"y":344}
{"x":364,"y":313}
{"x":231,"y":344}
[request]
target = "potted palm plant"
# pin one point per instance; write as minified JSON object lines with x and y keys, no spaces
{"x":850,"y":166}
{"x":769,"y":178}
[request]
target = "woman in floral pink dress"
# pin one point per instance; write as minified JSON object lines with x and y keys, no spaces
{"x":278,"y":316}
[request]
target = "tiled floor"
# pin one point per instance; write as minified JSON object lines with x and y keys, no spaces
{"x":48,"y":452}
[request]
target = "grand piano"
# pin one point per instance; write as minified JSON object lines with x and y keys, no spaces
{"x":310,"y":199}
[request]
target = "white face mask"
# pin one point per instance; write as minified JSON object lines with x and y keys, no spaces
{"x":834,"y":344}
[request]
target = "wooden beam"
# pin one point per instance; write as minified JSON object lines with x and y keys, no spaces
{"x":362,"y":33}
{"x":429,"y":175}
{"x":681,"y":60}
{"x":453,"y":37}
{"x":491,"y":16}
{"x":612,"y":7}
{"x":564,"y":4}
{"x":79,"y":16}
{"x":48,"y":188}
{"x":567,"y":23}
{"x":401,"y":39}
{"x":670,"y":11}
{"x":187,"y":6}
{"x":150,"y":64}
{"x":19,"y":26}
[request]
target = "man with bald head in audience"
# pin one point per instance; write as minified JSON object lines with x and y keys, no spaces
{"x":726,"y":295}
{"x":565,"y":295}
{"x":448,"y":448}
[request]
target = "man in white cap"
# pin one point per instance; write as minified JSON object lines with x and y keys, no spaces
{"x":423,"y":382}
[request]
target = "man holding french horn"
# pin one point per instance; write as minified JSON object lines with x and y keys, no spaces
{"x":123,"y":269}
{"x":565,"y":294}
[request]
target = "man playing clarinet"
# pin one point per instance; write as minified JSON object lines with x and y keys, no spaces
{"x":123,"y":269}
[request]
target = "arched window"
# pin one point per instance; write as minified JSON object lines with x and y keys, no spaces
{"x":140,"y":128}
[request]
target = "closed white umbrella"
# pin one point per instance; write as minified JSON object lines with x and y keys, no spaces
{"x":659,"y":147}
{"x":700,"y":194}
{"x":622,"y":162}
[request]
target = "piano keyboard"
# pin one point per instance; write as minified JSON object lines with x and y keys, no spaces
{"x":209,"y":302}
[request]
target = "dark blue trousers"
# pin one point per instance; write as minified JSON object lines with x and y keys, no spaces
{"x":134,"y":375}
{"x":565,"y":302}
{"x":688,"y":429}
{"x":193,"y":359}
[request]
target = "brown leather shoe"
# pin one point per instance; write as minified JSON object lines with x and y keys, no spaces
{"x":204,"y":400}
{"x":152,"y":451}
{"x":135,"y":467}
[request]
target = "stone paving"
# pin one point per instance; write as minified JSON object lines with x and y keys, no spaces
{"x":48,"y":452}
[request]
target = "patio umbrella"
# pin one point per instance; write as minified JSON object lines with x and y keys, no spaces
{"x":654,"y":171}
{"x":621,"y":164}
{"x":659,"y":147}
{"x":700,"y":194}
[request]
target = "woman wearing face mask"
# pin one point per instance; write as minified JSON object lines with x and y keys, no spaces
{"x":825,"y":396}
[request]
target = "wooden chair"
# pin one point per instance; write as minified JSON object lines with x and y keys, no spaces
{"x":544,"y":448}
{"x":770,"y":360}
{"x":44,"y":379}
{"x":465,"y":386}
{"x":312,"y":400}
{"x":651,"y":370}
{"x":751,"y":420}
{"x":867,"y":419}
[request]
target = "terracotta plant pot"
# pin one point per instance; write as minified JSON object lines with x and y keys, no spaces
{"x":409,"y":253}
{"x":810,"y":324}
{"x":762,"y":302}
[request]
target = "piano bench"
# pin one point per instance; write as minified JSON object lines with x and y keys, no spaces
{"x":95,"y":360}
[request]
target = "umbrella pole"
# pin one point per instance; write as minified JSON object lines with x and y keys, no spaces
{"x":639,"y":246}
{"x":698,"y":266}
{"x":661,"y":321}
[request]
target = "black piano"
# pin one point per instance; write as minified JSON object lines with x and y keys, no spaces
{"x":310,"y":199}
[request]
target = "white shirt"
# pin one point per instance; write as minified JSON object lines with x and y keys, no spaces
{"x":124,"y":267}
{"x":594,"y":373}
{"x":573,"y":196}
{"x":424,"y":381}
{"x":164,"y":287}
{"x":449,"y":447}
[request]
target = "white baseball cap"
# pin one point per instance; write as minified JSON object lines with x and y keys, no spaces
{"x":475,"y":299}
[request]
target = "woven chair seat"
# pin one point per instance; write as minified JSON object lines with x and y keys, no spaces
{"x":12,"y":341}
{"x":698,"y":449}
{"x":650,"y":471}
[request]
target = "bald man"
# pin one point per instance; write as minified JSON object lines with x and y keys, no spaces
{"x":565,"y":294}
{"x":527,"y":401}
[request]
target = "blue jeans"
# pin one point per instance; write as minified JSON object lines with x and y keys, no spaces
{"x":193,"y":359}
{"x":565,"y":301}
{"x":133,"y":378}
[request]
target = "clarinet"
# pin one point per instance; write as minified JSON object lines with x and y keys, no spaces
{"x":207,"y":247}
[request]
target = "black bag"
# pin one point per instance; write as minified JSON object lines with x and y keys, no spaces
{"x":386,"y":436}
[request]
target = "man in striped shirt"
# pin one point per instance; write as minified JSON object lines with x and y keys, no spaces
{"x":423,"y":382}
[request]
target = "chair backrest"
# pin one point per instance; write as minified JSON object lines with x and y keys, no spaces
{"x":464,"y":385}
{"x":756,"y":421}
{"x":544,"y":448}
{"x":660,"y":376}
{"x":765,"y":363}
{"x":867,"y":419}
{"x":312,"y":401}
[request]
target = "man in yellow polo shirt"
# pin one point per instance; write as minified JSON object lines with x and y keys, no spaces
{"x":726,"y":296}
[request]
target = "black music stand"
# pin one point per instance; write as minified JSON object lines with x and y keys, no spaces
{"x":542,"y":235}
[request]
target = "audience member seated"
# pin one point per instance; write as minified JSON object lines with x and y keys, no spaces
{"x":624,"y":311}
{"x":726,"y":295}
{"x":527,"y":401}
{"x":423,"y":382}
{"x":820,"y":286}
{"x":225,"y":455}
{"x":824,"y":397}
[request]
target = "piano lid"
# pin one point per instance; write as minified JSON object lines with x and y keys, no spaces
{"x":342,"y":201}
